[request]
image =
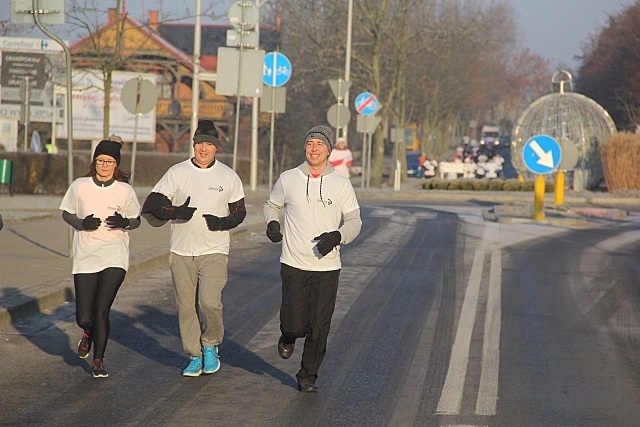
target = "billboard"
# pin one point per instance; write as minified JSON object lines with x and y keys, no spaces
{"x":27,"y":57}
{"x":88,"y":108}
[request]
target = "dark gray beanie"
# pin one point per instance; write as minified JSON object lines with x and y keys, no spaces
{"x":110,"y":148}
{"x":206,"y":132}
{"x":323,"y":133}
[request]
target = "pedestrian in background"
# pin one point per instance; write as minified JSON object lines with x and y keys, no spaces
{"x":199,"y":246}
{"x":341,"y":158}
{"x":101,"y":207}
{"x":320,"y":213}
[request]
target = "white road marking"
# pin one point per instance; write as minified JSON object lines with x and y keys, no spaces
{"x":451,"y":396}
{"x":488,"y":388}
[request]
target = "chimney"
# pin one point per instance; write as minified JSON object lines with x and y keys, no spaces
{"x":153,"y":20}
{"x":112,"y":15}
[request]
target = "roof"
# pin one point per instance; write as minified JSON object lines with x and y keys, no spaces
{"x":166,"y":44}
{"x":212,"y":37}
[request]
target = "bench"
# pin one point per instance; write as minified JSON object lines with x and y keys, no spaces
{"x":450,"y":167}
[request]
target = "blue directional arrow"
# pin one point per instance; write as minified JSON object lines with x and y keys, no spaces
{"x":542,"y":154}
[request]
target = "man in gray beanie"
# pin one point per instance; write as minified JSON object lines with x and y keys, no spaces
{"x":323,"y":133}
{"x":320,"y":213}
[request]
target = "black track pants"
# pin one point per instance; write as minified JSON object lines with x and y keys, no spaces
{"x":308,"y":301}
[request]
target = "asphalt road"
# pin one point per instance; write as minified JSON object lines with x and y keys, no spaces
{"x":443,"y":319}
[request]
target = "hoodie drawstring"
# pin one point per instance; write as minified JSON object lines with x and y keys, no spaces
{"x":308,"y":179}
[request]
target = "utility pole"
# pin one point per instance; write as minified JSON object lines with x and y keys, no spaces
{"x":347,"y":65}
{"x":195,"y":84}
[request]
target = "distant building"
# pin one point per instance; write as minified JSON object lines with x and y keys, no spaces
{"x":166,"y":50}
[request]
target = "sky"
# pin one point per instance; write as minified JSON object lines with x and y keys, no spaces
{"x":553,"y":29}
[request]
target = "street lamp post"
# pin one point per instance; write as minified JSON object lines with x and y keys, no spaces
{"x":347,"y":65}
{"x":195,"y":84}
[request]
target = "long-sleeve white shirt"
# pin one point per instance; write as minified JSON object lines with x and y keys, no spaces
{"x":313,"y":206}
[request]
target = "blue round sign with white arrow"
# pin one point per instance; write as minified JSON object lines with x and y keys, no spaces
{"x":542,"y":154}
{"x":277,"y":69}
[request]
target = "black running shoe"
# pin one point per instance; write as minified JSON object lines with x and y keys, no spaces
{"x":98,"y":369}
{"x":84,"y":346}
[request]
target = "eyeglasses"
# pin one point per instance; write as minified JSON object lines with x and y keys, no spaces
{"x":105,"y":162}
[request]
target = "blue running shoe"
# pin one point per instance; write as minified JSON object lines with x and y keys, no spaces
{"x":195,"y":367}
{"x":211,"y":359}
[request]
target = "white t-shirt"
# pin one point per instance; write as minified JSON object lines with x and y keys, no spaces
{"x":340,"y":160}
{"x":211,"y":190}
{"x":312,"y":206}
{"x":93,"y":251}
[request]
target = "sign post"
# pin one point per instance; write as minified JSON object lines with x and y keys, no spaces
{"x":339,"y":115}
{"x":542,"y":155}
{"x":367,"y":105}
{"x":138,"y":97}
{"x":276,"y":73}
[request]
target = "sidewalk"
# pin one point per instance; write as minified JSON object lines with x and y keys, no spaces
{"x":35,"y":267}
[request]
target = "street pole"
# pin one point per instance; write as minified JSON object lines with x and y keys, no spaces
{"x":238,"y":96}
{"x":195,"y":83}
{"x":253,"y":178}
{"x":347,"y":65}
{"x":67,"y":55}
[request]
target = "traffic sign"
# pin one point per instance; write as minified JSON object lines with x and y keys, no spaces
{"x":338,"y":115}
{"x":366,"y":104}
{"x":570,"y":154}
{"x":243,"y":15}
{"x":339,"y":88}
{"x":367,"y":124}
{"x":277,"y":69}
{"x":542,"y":154}
{"x":142,"y":96}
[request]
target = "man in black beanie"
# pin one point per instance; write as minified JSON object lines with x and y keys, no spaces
{"x":199,"y":245}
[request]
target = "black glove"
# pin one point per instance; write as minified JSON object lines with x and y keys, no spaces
{"x":184,"y":211}
{"x":215,"y":223}
{"x":90,"y":223}
{"x":273,"y":231}
{"x":117,"y":221}
{"x":328,"y":241}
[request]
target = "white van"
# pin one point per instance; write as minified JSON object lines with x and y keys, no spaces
{"x":490,"y":135}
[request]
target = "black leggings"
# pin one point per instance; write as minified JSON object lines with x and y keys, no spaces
{"x":95,"y":292}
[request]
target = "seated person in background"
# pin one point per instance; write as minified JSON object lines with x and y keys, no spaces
{"x":491,"y":168}
{"x":430,"y":165}
{"x":469,"y":167}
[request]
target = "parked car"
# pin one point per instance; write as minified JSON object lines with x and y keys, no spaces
{"x":414,"y":168}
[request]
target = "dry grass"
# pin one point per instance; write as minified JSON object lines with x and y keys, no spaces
{"x":621,"y":161}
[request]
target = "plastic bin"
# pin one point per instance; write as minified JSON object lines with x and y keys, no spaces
{"x":6,"y":174}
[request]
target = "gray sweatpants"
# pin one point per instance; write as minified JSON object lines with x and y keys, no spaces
{"x":198,"y":283}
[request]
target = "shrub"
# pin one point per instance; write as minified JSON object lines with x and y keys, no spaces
{"x":442,"y":184}
{"x":454,"y":184}
{"x":496,"y":184}
{"x":512,"y":185}
{"x":527,"y":186}
{"x":620,"y":159}
{"x":480,"y":184}
{"x":467,"y":185}
{"x":549,"y":187}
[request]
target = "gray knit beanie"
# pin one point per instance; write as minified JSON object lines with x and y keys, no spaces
{"x":323,"y":133}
